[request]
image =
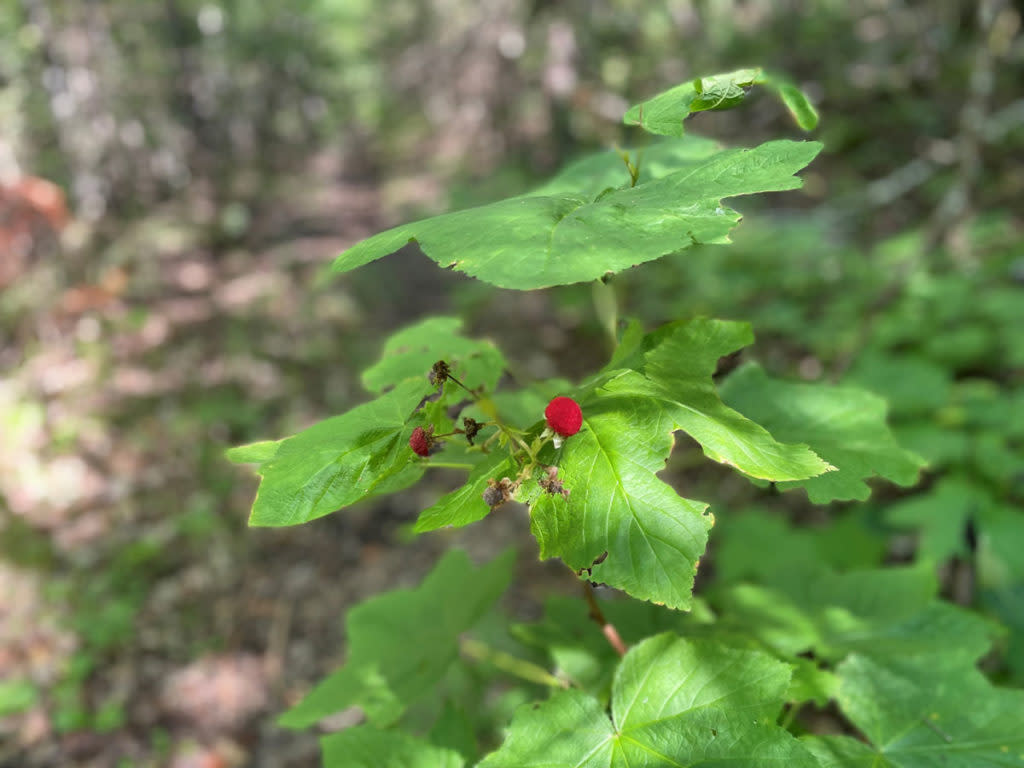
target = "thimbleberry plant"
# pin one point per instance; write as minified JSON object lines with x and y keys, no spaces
{"x":664,"y":678}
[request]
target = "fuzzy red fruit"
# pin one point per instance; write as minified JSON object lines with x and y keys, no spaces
{"x":564,"y":416}
{"x":421,"y":440}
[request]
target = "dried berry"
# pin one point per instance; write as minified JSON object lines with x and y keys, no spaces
{"x":439,"y":373}
{"x":552,"y":484}
{"x":564,"y":416}
{"x":422,"y":440}
{"x":498,"y":492}
{"x":471,"y":427}
{"x":493,"y":496}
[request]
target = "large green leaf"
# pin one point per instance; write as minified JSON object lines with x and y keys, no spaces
{"x":912,"y":385}
{"x":844,"y":426}
{"x":539,"y":241}
{"x":762,"y":547}
{"x":618,"y":507}
{"x":412,"y":352}
{"x":675,"y":370}
{"x":367,"y":747}
{"x":337,"y":462}
{"x":881,"y":612}
{"x":674,"y":703}
{"x":941,"y":515}
{"x":664,"y":114}
{"x":402,"y":642}
{"x":923,"y":712}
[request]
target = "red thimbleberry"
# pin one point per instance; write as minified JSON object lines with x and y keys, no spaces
{"x":421,"y":440}
{"x":564,"y":416}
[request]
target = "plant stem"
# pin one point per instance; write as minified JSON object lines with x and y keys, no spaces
{"x":611,"y":634}
{"x":447,"y":465}
{"x":790,"y":716}
{"x":498,"y":423}
{"x":506,"y":662}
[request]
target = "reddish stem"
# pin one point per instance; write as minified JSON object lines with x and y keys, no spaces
{"x":608,"y":629}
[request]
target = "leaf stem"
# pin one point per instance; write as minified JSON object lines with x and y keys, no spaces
{"x":447,"y":465}
{"x":633,"y":168}
{"x":790,"y":716}
{"x":498,"y":423}
{"x":611,"y":634}
{"x":513,"y":665}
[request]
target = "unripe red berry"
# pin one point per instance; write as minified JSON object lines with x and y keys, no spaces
{"x":564,"y":416}
{"x":421,"y":440}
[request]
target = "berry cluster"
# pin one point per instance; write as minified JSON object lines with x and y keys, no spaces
{"x":563,"y":418}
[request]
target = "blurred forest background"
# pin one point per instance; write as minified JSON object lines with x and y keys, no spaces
{"x":176,"y":176}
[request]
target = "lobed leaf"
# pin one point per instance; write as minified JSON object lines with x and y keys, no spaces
{"x":880,"y":612}
{"x":601,"y":171}
{"x":401,"y":643}
{"x":675,"y":371}
{"x":337,"y":462}
{"x":931,"y":711}
{"x":539,"y":241}
{"x":674,"y":702}
{"x":412,"y":352}
{"x":650,"y":537}
{"x":762,"y":547}
{"x":845,"y":426}
{"x":664,"y":114}
{"x":465,"y":504}
{"x":941,"y":516}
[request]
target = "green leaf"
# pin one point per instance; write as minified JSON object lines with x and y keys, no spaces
{"x":795,"y":100}
{"x":337,"y":462}
{"x":881,"y":612}
{"x":1006,"y":603}
{"x":253,"y":453}
{"x":1000,"y":555}
{"x":674,"y":702}
{"x":664,"y":114}
{"x":367,"y":747}
{"x":453,"y":730}
{"x":931,"y":711}
{"x":913,"y":386}
{"x":941,"y":515}
{"x":811,"y":683}
{"x":675,"y":372}
{"x":412,"y":352}
{"x":617,"y":505}
{"x":844,"y":426}
{"x":465,"y":504}
{"x":598,"y":172}
{"x":539,"y":241}
{"x":402,"y":642}
{"x":762,"y":547}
